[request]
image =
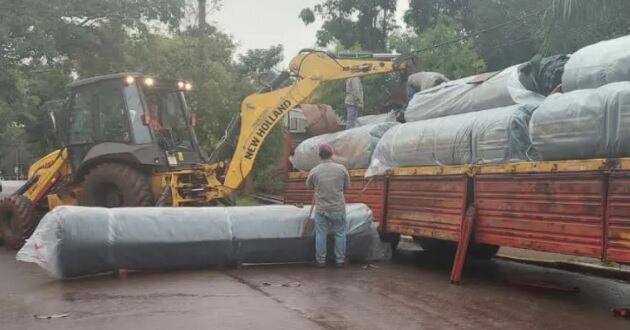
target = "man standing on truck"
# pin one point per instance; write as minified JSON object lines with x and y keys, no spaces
{"x":421,"y":81}
{"x":353,"y":101}
{"x":329,"y":180}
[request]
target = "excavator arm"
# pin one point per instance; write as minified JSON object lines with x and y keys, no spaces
{"x":262,"y":111}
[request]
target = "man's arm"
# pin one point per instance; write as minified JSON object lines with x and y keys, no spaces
{"x":346,"y":184}
{"x":309,"y":181}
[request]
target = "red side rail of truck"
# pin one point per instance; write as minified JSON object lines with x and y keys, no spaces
{"x":571,"y":207}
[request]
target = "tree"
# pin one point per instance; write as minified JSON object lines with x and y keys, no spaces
{"x":437,"y":52}
{"x":571,"y":24}
{"x":43,"y":42}
{"x":503,"y":31}
{"x":260,"y":60}
{"x":507,"y":32}
{"x":258,"y":65}
{"x":352,"y":23}
{"x":423,"y":14}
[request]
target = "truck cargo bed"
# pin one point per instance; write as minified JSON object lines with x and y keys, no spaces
{"x":571,"y":207}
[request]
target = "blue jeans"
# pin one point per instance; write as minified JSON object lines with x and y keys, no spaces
{"x":334,"y":222}
{"x":352,"y":112}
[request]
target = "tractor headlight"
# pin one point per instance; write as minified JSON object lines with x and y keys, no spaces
{"x":188,"y":86}
{"x":149,"y":81}
{"x":129,"y":80}
{"x":180,"y":85}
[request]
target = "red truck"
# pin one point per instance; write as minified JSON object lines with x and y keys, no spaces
{"x":578,"y":207}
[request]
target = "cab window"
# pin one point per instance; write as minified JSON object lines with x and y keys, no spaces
{"x":167,"y":118}
{"x":98,"y":114}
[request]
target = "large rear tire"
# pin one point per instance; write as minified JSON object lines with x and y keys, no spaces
{"x":116,"y":185}
{"x":18,"y":219}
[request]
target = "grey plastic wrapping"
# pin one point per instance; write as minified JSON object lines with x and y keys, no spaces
{"x":353,"y":148}
{"x":583,"y":124}
{"x":489,"y":136}
{"x":73,"y":241}
{"x":597,"y":65}
{"x":465,"y":95}
{"x":377,"y":119}
{"x":502,"y":135}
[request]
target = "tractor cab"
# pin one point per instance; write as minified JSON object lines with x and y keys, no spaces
{"x":129,"y":118}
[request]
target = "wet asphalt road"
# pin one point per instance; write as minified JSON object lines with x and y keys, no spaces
{"x":410,"y":293}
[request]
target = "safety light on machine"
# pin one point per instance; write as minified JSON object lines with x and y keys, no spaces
{"x":188,"y":86}
{"x":149,"y":81}
{"x":130,"y":80}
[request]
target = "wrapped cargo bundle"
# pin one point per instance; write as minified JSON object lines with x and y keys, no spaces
{"x":472,"y":94}
{"x":489,"y":136}
{"x":597,"y":65}
{"x":353,"y":148}
{"x":502,"y":135}
{"x":378,"y":119}
{"x":75,"y":241}
{"x":320,"y":118}
{"x":439,"y":141}
{"x":543,"y":75}
{"x":583,"y":124}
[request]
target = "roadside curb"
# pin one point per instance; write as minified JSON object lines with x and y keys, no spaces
{"x":577,"y":267}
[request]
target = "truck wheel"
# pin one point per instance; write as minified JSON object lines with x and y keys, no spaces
{"x":437,"y":247}
{"x":483,"y":251}
{"x":391,"y":238}
{"x":18,"y":219}
{"x":116,"y":185}
{"x":448,"y":249}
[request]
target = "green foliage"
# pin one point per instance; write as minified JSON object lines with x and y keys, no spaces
{"x":43,"y":42}
{"x":257,"y":61}
{"x":424,"y":14}
{"x":257,"y":65}
{"x":374,"y":90}
{"x":353,"y":23}
{"x":456,"y":60}
{"x":265,"y":168}
{"x":218,"y":89}
{"x":507,"y":32}
{"x":572,"y":24}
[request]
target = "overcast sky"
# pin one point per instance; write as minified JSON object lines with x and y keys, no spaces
{"x":262,"y":23}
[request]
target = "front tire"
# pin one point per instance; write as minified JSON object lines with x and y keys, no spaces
{"x":116,"y":185}
{"x":18,"y":220}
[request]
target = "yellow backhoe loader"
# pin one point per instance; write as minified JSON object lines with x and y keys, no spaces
{"x":128,"y":140}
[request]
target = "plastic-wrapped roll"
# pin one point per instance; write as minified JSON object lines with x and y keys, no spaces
{"x":597,"y":65}
{"x":471,"y":94}
{"x":489,"y":136}
{"x":439,"y":141}
{"x":377,"y":119}
{"x":73,"y":241}
{"x":583,"y":124}
{"x":352,"y":148}
{"x":502,"y":135}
